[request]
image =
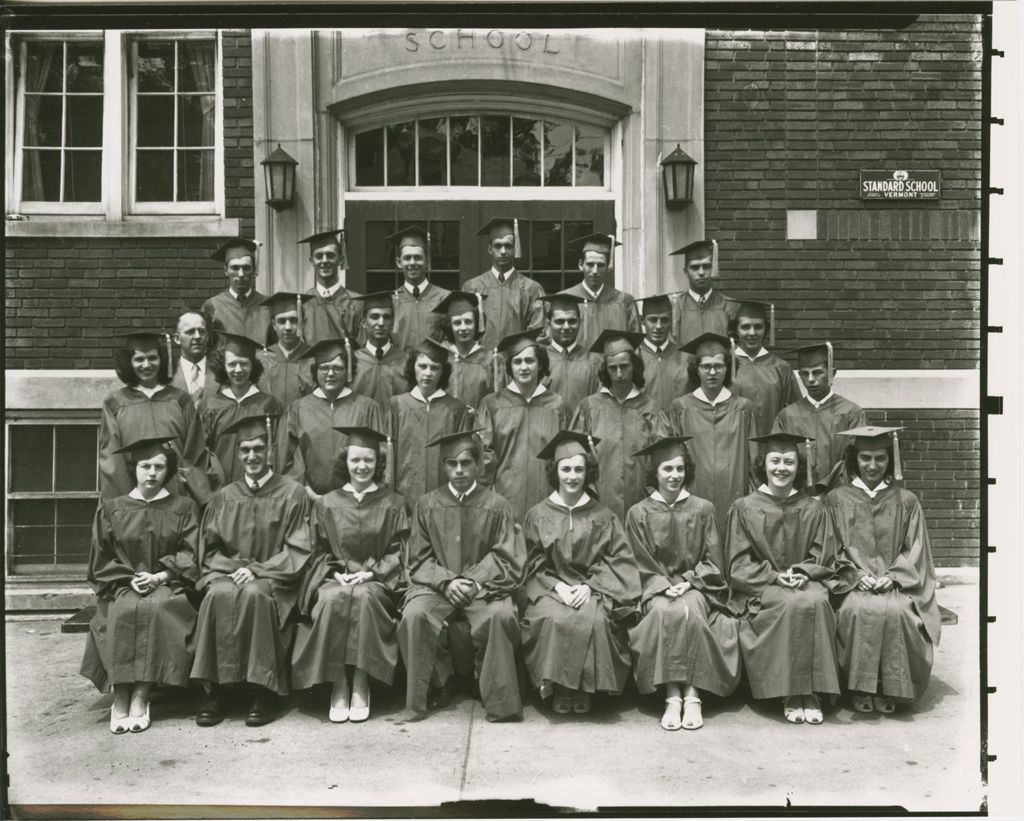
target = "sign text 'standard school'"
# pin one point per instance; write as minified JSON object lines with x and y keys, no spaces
{"x":900,"y":185}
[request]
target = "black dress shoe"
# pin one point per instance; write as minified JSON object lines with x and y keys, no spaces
{"x":263,"y":710}
{"x":440,"y":697}
{"x":211,"y":712}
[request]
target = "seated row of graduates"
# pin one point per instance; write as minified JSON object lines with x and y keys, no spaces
{"x":586,"y":597}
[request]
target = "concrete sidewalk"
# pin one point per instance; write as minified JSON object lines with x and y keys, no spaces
{"x":61,"y":751}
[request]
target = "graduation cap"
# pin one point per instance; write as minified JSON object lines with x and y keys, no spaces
{"x":568,"y":443}
{"x":757,"y":310}
{"x":611,"y":342}
{"x":664,"y":449}
{"x":453,"y":444}
{"x":789,"y":441}
{"x":698,"y":249}
{"x":708,"y":345}
{"x":459,"y":302}
{"x":146,"y":448}
{"x":876,"y":437}
{"x":327,"y":349}
{"x":519,"y":341}
{"x":246,"y":246}
{"x":657,"y":304}
{"x":563,"y":302}
{"x":285,"y":301}
{"x":256,"y":426}
{"x":378,"y":299}
{"x":363,"y":437}
{"x":143,"y":339}
{"x":432,"y":348}
{"x":410,"y":235}
{"x":240,"y":345}
{"x":502,"y":227}
{"x":810,"y":355}
{"x":322,"y":238}
{"x":602,"y":243}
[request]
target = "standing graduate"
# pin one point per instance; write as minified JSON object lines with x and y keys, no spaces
{"x":518,"y":420}
{"x":720,"y":423}
{"x":779,"y":552}
{"x":238,"y":309}
{"x":354,"y":581}
{"x":582,"y":583}
{"x":379,"y":364}
{"x":330,"y":313}
{"x":889,"y":622}
{"x":422,"y":415}
{"x":195,"y":341}
{"x":308,"y":439}
{"x":687,"y":640}
{"x":701,"y":309}
{"x":253,"y":546}
{"x":472,"y":366}
{"x":465,"y":559}
{"x":286,"y":360}
{"x":820,"y":416}
{"x":624,"y":417}
{"x":511,"y":303}
{"x":142,"y":559}
{"x":417,"y":297}
{"x":666,"y":365}
{"x":573,"y":368}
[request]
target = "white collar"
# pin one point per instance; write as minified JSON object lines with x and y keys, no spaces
{"x":423,"y":287}
{"x":359,"y":496}
{"x":455,"y":350}
{"x":251,"y":392}
{"x":564,"y":351}
{"x":183,"y":362}
{"x":236,"y":295}
{"x":514,"y":387}
{"x":149,"y":392}
{"x":557,"y":499}
{"x":163,"y":493}
{"x":633,"y":392}
{"x":416,"y":393}
{"x":506,"y":275}
{"x":745,"y":355}
{"x":461,"y":496}
{"x":327,"y":293}
{"x":652,"y":347}
{"x":319,"y":393}
{"x":858,"y":482}
{"x":286,"y":353}
{"x":765,"y":489}
{"x":259,"y":483}
{"x":817,"y":405}
{"x":698,"y":298}
{"x":594,"y":294}
{"x":724,"y":394}
{"x":683,"y":494}
{"x":373,"y":349}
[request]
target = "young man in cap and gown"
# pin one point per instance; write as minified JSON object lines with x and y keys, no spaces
{"x":286,"y":359}
{"x":605,"y":307}
{"x":666,"y":365}
{"x":330,"y":313}
{"x":472,"y":365}
{"x":573,"y":367}
{"x":379,"y":362}
{"x":701,"y":309}
{"x":417,"y":297}
{"x":239,"y":308}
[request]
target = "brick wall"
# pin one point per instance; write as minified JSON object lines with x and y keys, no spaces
{"x":791,"y":117}
{"x":238,"y":141}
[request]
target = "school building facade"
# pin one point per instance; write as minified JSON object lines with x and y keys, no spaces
{"x":839,"y":169}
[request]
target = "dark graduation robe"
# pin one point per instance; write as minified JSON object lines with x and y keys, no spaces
{"x":244,"y":633}
{"x":219,"y":413}
{"x":787,"y":635}
{"x":132,"y":637}
{"x":692,"y":638}
{"x":885,"y":640}
{"x":514,"y":432}
{"x":573,"y":375}
{"x":415,"y":423}
{"x":768,"y":382}
{"x":472,"y":375}
{"x":286,"y":378}
{"x":623,"y":428}
{"x":720,"y":448}
{"x":510,"y":307}
{"x":128,"y":415}
{"x":475,"y":539}
{"x":690,"y":320}
{"x":351,"y":624}
{"x":823,"y":425}
{"x":665,"y":373}
{"x":614,"y":309}
{"x":587,"y":648}
{"x":380,"y":379}
{"x":414,"y":317}
{"x":308,"y":443}
{"x":209,"y":382}
{"x":331,"y":317}
{"x":246,"y":316}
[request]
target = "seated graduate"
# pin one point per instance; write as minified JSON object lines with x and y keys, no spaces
{"x":465,"y":559}
{"x":573,"y":368}
{"x":889,"y":621}
{"x":422,"y":415}
{"x":286,"y":360}
{"x":354,"y":581}
{"x":379,"y":364}
{"x":472,"y":364}
{"x":253,"y":546}
{"x":624,"y":418}
{"x":143,"y":557}
{"x":582,"y":583}
{"x":687,"y":639}
{"x":778,"y":548}
{"x":666,"y":365}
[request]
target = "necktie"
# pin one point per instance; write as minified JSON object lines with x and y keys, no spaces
{"x":416,"y":291}
{"x":380,"y":354}
{"x":501,"y":279}
{"x":195,"y":375}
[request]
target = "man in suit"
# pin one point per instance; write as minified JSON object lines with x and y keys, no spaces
{"x":192,"y":336}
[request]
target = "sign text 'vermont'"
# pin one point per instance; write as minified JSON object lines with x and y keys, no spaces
{"x":900,"y":185}
{"x":495,"y":39}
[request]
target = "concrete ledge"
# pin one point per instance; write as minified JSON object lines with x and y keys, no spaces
{"x":58,"y":389}
{"x":62,"y":596}
{"x":954,"y":389}
{"x":164,"y":226}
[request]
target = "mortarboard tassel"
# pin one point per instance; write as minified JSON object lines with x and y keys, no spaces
{"x":897,"y":468}
{"x":611,"y":251}
{"x":811,"y":456}
{"x":831,"y":362}
{"x":496,"y":370}
{"x":256,"y":256}
{"x":517,"y":251}
{"x":348,"y":360}
{"x":771,"y":325}
{"x":427,"y":250}
{"x":714,"y":259}
{"x":480,"y":313}
{"x":170,"y":359}
{"x":389,"y":462}
{"x":585,"y":324}
{"x":732,"y":359}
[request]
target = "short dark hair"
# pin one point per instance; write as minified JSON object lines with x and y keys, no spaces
{"x":693,"y":374}
{"x":410,"y":368}
{"x":761,"y":474}
{"x":589,"y":479}
{"x":350,"y":375}
{"x":341,"y":466}
{"x":215,"y":361}
{"x":172,"y":463}
{"x":638,"y":371}
{"x":689,"y":468}
{"x":125,"y":371}
{"x":850,"y":458}
{"x":543,"y":360}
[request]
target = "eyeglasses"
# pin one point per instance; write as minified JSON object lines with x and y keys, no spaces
{"x":710,"y":368}
{"x":330,"y":369}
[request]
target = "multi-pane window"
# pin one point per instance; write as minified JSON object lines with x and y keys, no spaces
{"x":481,"y":150}
{"x":51,"y":496}
{"x":62,"y":126}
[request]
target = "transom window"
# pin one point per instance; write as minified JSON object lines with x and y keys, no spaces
{"x":499,"y":150}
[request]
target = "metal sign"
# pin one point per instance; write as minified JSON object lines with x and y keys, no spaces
{"x":900,"y":185}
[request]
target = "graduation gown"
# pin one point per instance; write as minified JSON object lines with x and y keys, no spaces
{"x":128,"y":415}
{"x":220,"y":412}
{"x":246,"y":316}
{"x":665,"y":373}
{"x":414,"y":317}
{"x":510,"y":307}
{"x":472,"y":375}
{"x":823,"y":425}
{"x":132,"y":637}
{"x":623,"y":428}
{"x":769,"y":383}
{"x":720,"y":448}
{"x":415,"y":423}
{"x":514,"y":432}
{"x":331,"y":317}
{"x":351,"y":624}
{"x":380,"y":379}
{"x":475,"y":539}
{"x":787,"y":635}
{"x":308,"y":443}
{"x":692,"y":638}
{"x":587,"y":648}
{"x":690,"y":320}
{"x":244,"y":633}
{"x":286,"y":378}
{"x":573,"y":375}
{"x":209,"y":383}
{"x":613,"y":309}
{"x":886,"y":640}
